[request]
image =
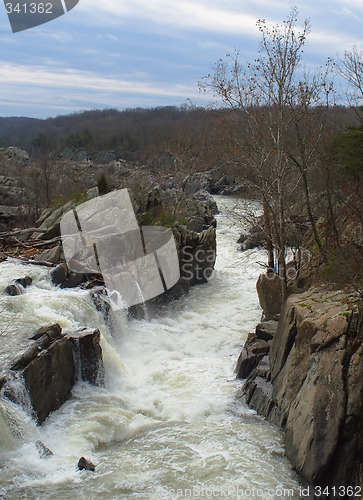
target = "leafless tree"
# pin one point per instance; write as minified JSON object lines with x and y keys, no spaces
{"x":275,"y":97}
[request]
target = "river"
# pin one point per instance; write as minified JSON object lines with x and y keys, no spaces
{"x":167,"y":424}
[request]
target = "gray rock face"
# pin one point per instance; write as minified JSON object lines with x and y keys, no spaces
{"x":49,"y":221}
{"x":253,"y":239}
{"x":207,"y":198}
{"x":52,"y":255}
{"x":314,"y":387}
{"x":50,"y":367}
{"x":10,"y":194}
{"x":105,"y":157}
{"x":75,"y":154}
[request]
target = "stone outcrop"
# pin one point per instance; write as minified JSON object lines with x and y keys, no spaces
{"x":270,"y":294}
{"x":51,"y":365}
{"x":255,"y":238}
{"x":310,"y":383}
{"x":49,"y":221}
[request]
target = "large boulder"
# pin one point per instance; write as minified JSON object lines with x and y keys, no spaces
{"x":207,"y":198}
{"x":269,"y":289}
{"x":51,"y":365}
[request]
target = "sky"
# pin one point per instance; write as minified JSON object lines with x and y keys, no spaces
{"x":149,"y":53}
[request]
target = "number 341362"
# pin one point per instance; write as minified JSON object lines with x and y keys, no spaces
{"x":29,"y":8}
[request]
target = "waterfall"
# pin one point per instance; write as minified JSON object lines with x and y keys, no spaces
{"x":16,"y":426}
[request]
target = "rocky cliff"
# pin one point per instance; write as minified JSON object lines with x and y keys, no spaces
{"x":304,"y":373}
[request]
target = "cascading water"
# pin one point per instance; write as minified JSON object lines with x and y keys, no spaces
{"x":167,"y":423}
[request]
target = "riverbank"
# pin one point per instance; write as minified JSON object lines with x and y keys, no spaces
{"x":304,"y":373}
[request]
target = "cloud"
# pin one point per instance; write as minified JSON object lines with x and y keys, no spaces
{"x":347,"y":12}
{"x":61,"y":88}
{"x":13,"y":74}
{"x":202,"y":15}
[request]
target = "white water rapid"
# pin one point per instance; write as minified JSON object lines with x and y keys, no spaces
{"x":166,"y":424}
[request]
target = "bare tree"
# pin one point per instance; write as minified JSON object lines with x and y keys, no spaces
{"x":274,"y":96}
{"x":350,"y":68}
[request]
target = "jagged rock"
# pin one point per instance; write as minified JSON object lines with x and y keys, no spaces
{"x":43,"y":451}
{"x":50,"y":367}
{"x":266,"y":330}
{"x":25,"y":358}
{"x":51,"y":255}
{"x":59,"y":274}
{"x":51,"y":224}
{"x":75,"y":154}
{"x":106,"y":157}
{"x":269,"y":291}
{"x":255,"y":238}
{"x":51,"y":332}
{"x":88,"y":355}
{"x":196,"y":224}
{"x":84,"y":464}
{"x":253,"y":352}
{"x":206,"y":197}
{"x":15,"y":152}
{"x":73,"y":280}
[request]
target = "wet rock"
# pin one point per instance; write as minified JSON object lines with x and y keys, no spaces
{"x":43,"y":451}
{"x":253,"y":352}
{"x":88,"y":355}
{"x":18,"y":286}
{"x":25,"y":358}
{"x":51,"y":366}
{"x":74,"y":280}
{"x":27,"y":281}
{"x":84,"y":464}
{"x":59,"y":274}
{"x":14,"y":289}
{"x":51,"y":332}
{"x":49,"y":378}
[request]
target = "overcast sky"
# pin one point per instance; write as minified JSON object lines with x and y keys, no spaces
{"x":148,"y":53}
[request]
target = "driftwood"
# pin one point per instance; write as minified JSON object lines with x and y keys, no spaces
{"x":7,"y":234}
{"x":35,"y":243}
{"x":25,"y":260}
